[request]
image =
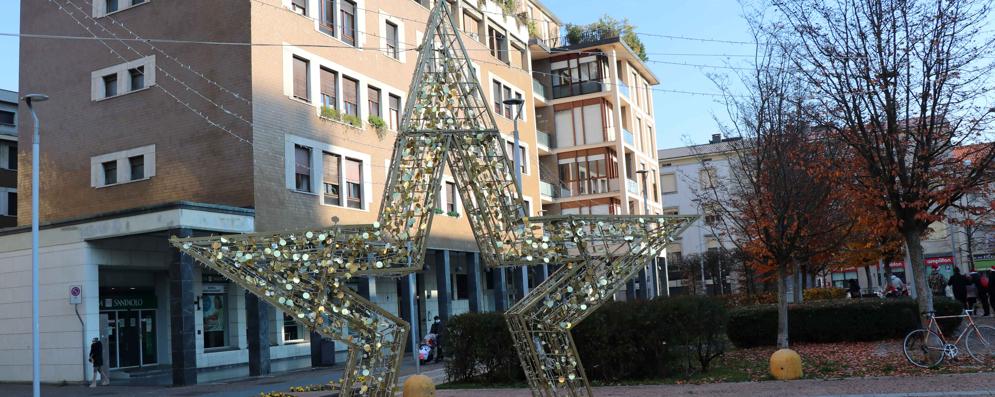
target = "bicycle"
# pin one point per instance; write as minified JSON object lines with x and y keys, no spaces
{"x":928,"y":347}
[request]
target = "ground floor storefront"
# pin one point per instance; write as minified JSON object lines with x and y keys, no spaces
{"x":165,"y":319}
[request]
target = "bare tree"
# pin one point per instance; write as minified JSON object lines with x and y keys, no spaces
{"x":903,"y":83}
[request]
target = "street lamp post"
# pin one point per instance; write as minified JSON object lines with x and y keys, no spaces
{"x":517,"y":162}
{"x":650,"y":293}
{"x":35,"y":330}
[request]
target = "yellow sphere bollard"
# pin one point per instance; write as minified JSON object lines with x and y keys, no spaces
{"x":419,"y":386}
{"x":785,"y":364}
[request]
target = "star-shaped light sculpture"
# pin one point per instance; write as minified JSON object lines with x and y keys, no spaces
{"x":446,"y":122}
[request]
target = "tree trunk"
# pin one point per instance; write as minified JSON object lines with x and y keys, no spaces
{"x":867,"y":274}
{"x":797,"y":281}
{"x":782,"y":307}
{"x":924,"y":297}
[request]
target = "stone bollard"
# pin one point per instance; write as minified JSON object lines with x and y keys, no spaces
{"x":419,"y":386}
{"x":786,"y":364}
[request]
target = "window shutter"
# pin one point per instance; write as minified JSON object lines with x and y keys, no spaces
{"x":302,"y":160}
{"x":328,"y":83}
{"x":352,"y":170}
{"x":349,"y":90}
{"x":331,"y":167}
{"x":669,"y":183}
{"x":300,"y":78}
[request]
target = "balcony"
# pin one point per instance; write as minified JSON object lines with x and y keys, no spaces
{"x":547,"y":191}
{"x":631,"y":186}
{"x":544,"y":139}
{"x":579,"y":88}
{"x":622,"y":88}
{"x":538,"y":89}
{"x":583,"y":188}
{"x":628,"y":137}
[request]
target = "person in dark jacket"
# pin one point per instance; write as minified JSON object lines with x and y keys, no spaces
{"x":437,"y":330}
{"x":97,"y":359}
{"x":958,"y":282}
{"x":982,"y":284}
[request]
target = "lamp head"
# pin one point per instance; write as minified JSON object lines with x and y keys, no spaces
{"x":34,"y":98}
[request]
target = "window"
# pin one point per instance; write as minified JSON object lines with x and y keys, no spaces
{"x":291,"y":329}
{"x":137,"y":165}
{"x":373,"y":98}
{"x":110,"y":172}
{"x":588,"y":174}
{"x":354,"y":183}
{"x":123,"y":78}
{"x":471,"y":26}
{"x":8,"y":155}
{"x":301,"y":79}
{"x":392,"y":41}
{"x":299,"y":6}
{"x":122,"y":167}
{"x":501,"y":92}
{"x":706,"y":177}
{"x":110,"y":85}
{"x":395,"y":112}
{"x":451,"y":198}
{"x":670,"y":211}
{"x":348,"y":21}
{"x":350,"y":96}
{"x":137,"y":78}
{"x":215,"y":307}
{"x":111,"y":6}
{"x":522,"y":155}
{"x":327,"y":21}
{"x":498,"y":44}
{"x":578,"y":76}
{"x":12,"y":203}
{"x":329,"y":82}
{"x":496,"y":93}
{"x":332,"y":181}
{"x":581,"y":125}
{"x":302,"y":168}
{"x":668,"y":183}
{"x":6,"y":118}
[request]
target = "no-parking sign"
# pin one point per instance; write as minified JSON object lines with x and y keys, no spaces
{"x":75,"y":294}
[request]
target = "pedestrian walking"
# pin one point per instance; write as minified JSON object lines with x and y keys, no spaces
{"x":958,"y":283}
{"x":97,"y":359}
{"x":972,"y":291}
{"x":937,"y":282}
{"x":983,"y":286}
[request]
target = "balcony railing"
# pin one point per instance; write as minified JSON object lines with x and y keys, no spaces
{"x":592,"y":186}
{"x":631,"y":186}
{"x":622,"y":88}
{"x":547,"y":189}
{"x":628,"y":137}
{"x":538,"y":88}
{"x":580,"y":88}
{"x":545,"y":139}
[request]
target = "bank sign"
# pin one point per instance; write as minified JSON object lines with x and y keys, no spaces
{"x":128,"y":302}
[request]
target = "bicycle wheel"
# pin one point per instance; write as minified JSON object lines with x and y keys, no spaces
{"x":981,"y":343}
{"x":923,"y":348}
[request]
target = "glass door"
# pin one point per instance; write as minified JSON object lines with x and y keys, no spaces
{"x":112,"y":338}
{"x":129,"y":339}
{"x":148,"y":337}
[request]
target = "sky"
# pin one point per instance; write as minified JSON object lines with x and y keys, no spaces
{"x":681,"y":119}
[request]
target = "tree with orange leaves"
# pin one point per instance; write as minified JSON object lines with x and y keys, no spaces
{"x":779,"y":213}
{"x":903,"y":84}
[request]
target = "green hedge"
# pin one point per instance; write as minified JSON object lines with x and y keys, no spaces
{"x":835,"y":321}
{"x":619,"y":341}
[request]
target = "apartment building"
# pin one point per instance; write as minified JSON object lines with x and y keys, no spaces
{"x":147,"y":140}
{"x":596,"y":131}
{"x":686,"y":172}
{"x":8,"y":158}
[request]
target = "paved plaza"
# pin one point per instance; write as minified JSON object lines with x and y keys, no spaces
{"x":980,"y":384}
